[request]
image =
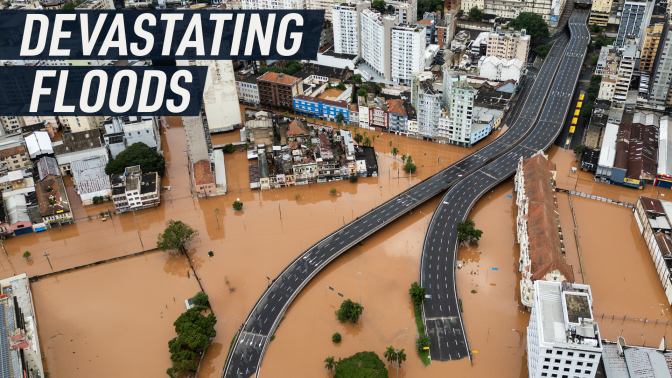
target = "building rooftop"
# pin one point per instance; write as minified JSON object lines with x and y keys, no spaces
{"x":52,"y":196}
{"x":39,"y":143}
{"x":311,"y":69}
{"x":203,"y":174}
{"x":279,"y":78}
{"x":79,"y":141}
{"x":89,"y":175}
{"x":7,"y":152}
{"x":148,"y":183}
{"x":565,"y":316}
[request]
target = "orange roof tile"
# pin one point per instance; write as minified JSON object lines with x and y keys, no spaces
{"x":203,"y":174}
{"x":278,"y":78}
{"x":396,"y":106}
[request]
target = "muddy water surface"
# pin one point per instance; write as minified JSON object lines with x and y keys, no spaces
{"x":114,"y":320}
{"x":274,"y":227}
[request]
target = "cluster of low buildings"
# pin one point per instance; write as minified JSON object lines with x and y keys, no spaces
{"x":40,"y":152}
{"x":291,"y":151}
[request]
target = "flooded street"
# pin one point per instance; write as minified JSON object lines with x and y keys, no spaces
{"x":273,"y":228}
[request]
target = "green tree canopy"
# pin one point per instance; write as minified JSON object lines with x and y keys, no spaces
{"x":290,"y":68}
{"x":379,"y":5}
{"x":340,"y":86}
{"x":417,"y":293}
{"x":200,"y":299}
{"x":543,"y":50}
{"x":533,"y":23}
{"x":137,"y":154}
{"x":410,"y":166}
{"x":176,"y":236}
{"x":361,"y":92}
{"x":194,"y":331}
{"x":357,"y":78}
{"x":466,"y":231}
{"x":475,"y":14}
{"x":361,"y":365}
{"x":358,"y":138}
{"x":349,"y":312}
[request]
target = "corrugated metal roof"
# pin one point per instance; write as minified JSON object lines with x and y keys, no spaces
{"x":614,"y":365}
{"x":646,"y":363}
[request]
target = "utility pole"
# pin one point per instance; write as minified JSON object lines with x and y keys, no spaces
{"x":280,"y":210}
{"x":108,"y":212}
{"x":216,"y":217}
{"x":49,"y":261}
{"x":142,"y":245}
{"x":136,"y":219}
{"x":352,"y":208}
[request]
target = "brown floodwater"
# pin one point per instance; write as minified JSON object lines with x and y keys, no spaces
{"x":269,"y":233}
{"x":114,"y":320}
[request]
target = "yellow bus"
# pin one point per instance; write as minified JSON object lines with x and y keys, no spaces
{"x":574,"y":120}
{"x":576,"y":112}
{"x":578,"y":104}
{"x":581,"y":97}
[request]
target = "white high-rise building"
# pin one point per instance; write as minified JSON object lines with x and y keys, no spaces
{"x":626,"y":68}
{"x":634,"y":21}
{"x":273,"y":4}
{"x":220,"y":97}
{"x":408,"y":48}
{"x":562,"y":338}
{"x":461,"y":107}
{"x":346,"y":21}
{"x":375,"y":41}
{"x":428,"y":104}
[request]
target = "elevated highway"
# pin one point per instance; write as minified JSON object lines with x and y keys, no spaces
{"x":253,"y":337}
{"x":441,"y":312}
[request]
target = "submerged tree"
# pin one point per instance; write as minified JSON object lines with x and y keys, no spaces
{"x":176,"y":236}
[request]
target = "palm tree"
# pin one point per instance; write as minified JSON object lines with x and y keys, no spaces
{"x":373,"y":138}
{"x":403,"y":158}
{"x":390,"y":354}
{"x":367,"y":141}
{"x":390,"y":143}
{"x":395,"y":151}
{"x":347,"y":127}
{"x":340,"y":118}
{"x":329,"y":363}
{"x":401,"y":356}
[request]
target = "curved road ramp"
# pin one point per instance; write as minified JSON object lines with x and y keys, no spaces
{"x":253,"y":336}
{"x":441,"y":313}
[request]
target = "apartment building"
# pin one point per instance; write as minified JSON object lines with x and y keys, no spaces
{"x":273,"y":4}
{"x":15,"y":157}
{"x":659,"y":89}
{"x":122,"y":132}
{"x":398,"y":116}
{"x":11,"y":124}
{"x":326,"y":5}
{"x":428,"y":104}
{"x":247,"y":89}
{"x":452,"y":6}
{"x":346,"y":24}
{"x":466,"y":5}
{"x":75,"y":124}
{"x":607,"y":87}
{"x":134,"y":190}
{"x":375,"y":41}
{"x":549,"y":10}
{"x":626,"y":67}
{"x":635,"y":18}
{"x":461,"y":106}
{"x":219,"y":95}
{"x":509,"y":45}
{"x":562,"y":337}
{"x":277,"y":90}
{"x":408,"y":48}
{"x":599,"y":12}
{"x":650,"y":46}
{"x":96,"y":5}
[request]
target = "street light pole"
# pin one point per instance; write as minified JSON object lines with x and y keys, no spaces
{"x":397,"y":352}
